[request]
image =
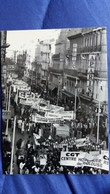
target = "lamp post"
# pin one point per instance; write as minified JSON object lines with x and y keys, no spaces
{"x":98,"y":120}
{"x":58,"y":93}
{"x":75,"y":100}
{"x":13,"y":146}
{"x":8,"y":108}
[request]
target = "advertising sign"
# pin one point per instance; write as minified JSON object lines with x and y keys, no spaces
{"x":90,"y":75}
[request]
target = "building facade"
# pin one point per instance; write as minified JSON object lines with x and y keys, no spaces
{"x":58,"y":61}
{"x":21,"y":64}
{"x":3,"y":65}
{"x":85,"y":72}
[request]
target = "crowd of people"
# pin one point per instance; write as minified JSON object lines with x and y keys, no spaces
{"x":42,"y":140}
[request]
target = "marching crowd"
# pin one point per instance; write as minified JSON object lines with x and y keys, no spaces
{"x":48,"y":144}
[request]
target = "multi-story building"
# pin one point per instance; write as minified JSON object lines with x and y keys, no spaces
{"x":10,"y":66}
{"x":21,"y":64}
{"x":71,"y":79}
{"x":45,"y":50}
{"x":86,"y":68}
{"x":57,"y":65}
{"x":43,"y":62}
{"x":35,"y":75}
{"x":3,"y":46}
{"x":4,"y":73}
{"x":42,"y":56}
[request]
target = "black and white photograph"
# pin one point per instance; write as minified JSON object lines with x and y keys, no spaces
{"x":54,"y":101}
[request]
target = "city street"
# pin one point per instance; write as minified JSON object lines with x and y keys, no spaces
{"x":55,"y":103}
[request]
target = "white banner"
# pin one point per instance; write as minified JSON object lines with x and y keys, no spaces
{"x":26,"y":102}
{"x":43,"y":160}
{"x":52,"y":115}
{"x":64,"y":115}
{"x":82,"y":142}
{"x":82,"y":159}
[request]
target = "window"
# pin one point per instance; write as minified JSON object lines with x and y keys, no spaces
{"x":98,"y":38}
{"x":67,"y":83}
{"x":85,"y":42}
{"x":91,"y":40}
{"x":70,"y":83}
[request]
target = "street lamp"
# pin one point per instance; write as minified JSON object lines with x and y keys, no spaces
{"x":75,"y":99}
{"x":59,"y":82}
{"x":98,"y":121}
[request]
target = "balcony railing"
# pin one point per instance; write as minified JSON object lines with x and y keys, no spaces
{"x":72,"y":72}
{"x":60,"y":71}
{"x":82,"y":71}
{"x":84,"y":49}
{"x":102,"y":74}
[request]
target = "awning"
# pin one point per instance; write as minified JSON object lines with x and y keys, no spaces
{"x":52,"y":87}
{"x":67,"y":94}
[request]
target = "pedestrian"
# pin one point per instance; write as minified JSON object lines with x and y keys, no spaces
{"x":18,"y":144}
{"x":21,"y":167}
{"x":22,"y":129}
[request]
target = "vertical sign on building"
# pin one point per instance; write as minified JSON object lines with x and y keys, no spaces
{"x":90,"y":75}
{"x":74,"y":54}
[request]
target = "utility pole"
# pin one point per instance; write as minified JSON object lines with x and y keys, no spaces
{"x":58,"y":92}
{"x":8,"y":108}
{"x":75,"y":100}
{"x":13,"y":146}
{"x":98,"y":120}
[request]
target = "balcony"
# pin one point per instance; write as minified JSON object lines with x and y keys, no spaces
{"x":71,"y":72}
{"x":82,"y":73}
{"x":85,"y":96}
{"x":87,"y":49}
{"x":56,"y":71}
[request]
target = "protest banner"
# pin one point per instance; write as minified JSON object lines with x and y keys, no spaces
{"x":52,"y":115}
{"x":68,"y":115}
{"x":82,"y":159}
{"x":65,"y":115}
{"x":69,"y":158}
{"x":55,"y":109}
{"x":26,"y":102}
{"x":43,"y":160}
{"x":21,"y":94}
{"x":81,"y":142}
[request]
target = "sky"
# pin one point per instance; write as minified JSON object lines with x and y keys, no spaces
{"x":26,"y":39}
